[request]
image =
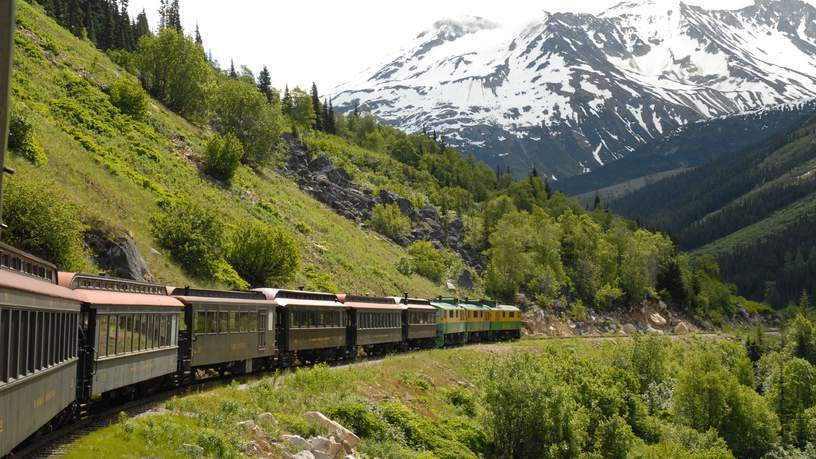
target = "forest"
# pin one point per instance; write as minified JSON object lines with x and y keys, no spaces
{"x":751,"y":210}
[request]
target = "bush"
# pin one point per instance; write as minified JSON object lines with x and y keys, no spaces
{"x":222,"y":156}
{"x":263,"y":255}
{"x":21,"y":139}
{"x":194,"y":237}
{"x":387,"y":219}
{"x":43,"y":223}
{"x":127,"y":95}
{"x":240,"y":109}
{"x":427,"y":260}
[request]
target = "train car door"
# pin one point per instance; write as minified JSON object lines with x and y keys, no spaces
{"x":262,"y":319}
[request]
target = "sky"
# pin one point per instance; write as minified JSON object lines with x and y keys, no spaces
{"x":331,"y":42}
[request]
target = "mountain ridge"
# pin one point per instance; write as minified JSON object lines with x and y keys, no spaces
{"x":570,"y":92}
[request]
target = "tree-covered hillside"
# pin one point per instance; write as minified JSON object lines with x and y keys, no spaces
{"x":162,"y":145}
{"x":754,"y":211}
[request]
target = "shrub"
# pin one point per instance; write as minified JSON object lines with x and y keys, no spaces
{"x":387,"y":219}
{"x":263,"y":254}
{"x":222,"y":156}
{"x":359,"y":418}
{"x":41,"y":222}
{"x":427,"y":260}
{"x":240,"y":109}
{"x":21,"y":139}
{"x":194,"y":237}
{"x":127,"y":95}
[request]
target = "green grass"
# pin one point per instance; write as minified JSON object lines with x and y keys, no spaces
{"x":116,"y":169}
{"x":401,"y":406}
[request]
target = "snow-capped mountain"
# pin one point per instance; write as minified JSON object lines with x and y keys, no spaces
{"x":570,"y":92}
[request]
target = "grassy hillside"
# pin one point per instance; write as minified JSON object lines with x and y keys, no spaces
{"x":115,"y":169}
{"x":753,"y":211}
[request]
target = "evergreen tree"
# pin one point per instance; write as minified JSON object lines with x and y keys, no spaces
{"x":142,"y":27}
{"x":597,"y":202}
{"x":232,"y":73}
{"x":333,"y":125}
{"x":804,"y":301}
{"x":547,"y":188}
{"x":318,"y":124}
{"x":163,"y":15}
{"x":324,"y":116}
{"x":286,"y":105}
{"x":265,"y":84}
{"x":198,"y":39}
{"x":174,"y":17}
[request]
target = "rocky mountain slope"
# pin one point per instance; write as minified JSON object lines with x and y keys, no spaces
{"x":568,"y":93}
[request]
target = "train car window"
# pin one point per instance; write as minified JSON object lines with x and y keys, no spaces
{"x":14,"y":343}
{"x":102,"y":335}
{"x":32,"y":341}
{"x":212,"y":322}
{"x":198,"y":325}
{"x":223,"y":322}
{"x":151,"y":330}
{"x":163,"y":331}
{"x":137,"y":332}
{"x":121,"y":326}
{"x":233,"y":322}
{"x":4,"y":352}
{"x":157,"y":330}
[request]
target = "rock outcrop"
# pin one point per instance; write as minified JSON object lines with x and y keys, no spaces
{"x":115,"y":252}
{"x":333,"y":186}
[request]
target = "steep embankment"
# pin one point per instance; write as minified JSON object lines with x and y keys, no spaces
{"x":754,"y":211}
{"x":116,"y":169}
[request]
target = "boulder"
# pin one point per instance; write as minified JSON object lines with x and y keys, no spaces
{"x":296,"y":440}
{"x":465,"y":280}
{"x":657,"y":319}
{"x":267,"y":418}
{"x":192,"y":450}
{"x":116,"y":253}
{"x":653,"y":331}
{"x":304,"y":455}
{"x":449,"y":285}
{"x":629,"y":329}
{"x":325,"y":448}
{"x":681,"y":329}
{"x":341,"y":433}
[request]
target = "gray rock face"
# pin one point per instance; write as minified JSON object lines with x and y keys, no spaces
{"x":334,"y":187}
{"x":117,"y":254}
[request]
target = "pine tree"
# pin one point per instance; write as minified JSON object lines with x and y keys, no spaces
{"x":318,"y":124}
{"x":198,"y":39}
{"x":163,"y":15}
{"x":174,"y":17}
{"x":331,"y":120}
{"x":265,"y":83}
{"x":597,"y":202}
{"x":286,"y":105}
{"x":324,"y":116}
{"x":142,"y":26}
{"x":232,"y":73}
{"x":547,"y":188}
{"x":804,"y":301}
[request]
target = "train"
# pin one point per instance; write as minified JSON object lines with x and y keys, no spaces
{"x":70,"y":341}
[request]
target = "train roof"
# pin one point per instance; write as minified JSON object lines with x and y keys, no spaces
{"x":417,"y":303}
{"x":368,"y":302}
{"x":191,"y":295}
{"x":507,"y":307}
{"x":441,"y":304}
{"x":16,"y":281}
{"x":103,"y":290}
{"x":282,"y":297}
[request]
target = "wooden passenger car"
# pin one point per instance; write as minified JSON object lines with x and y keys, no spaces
{"x":39,"y":322}
{"x":129,"y":333}
{"x":419,"y":323}
{"x":312,"y":326}
{"x":451,"y":325}
{"x":377,"y":322}
{"x":226,"y":331}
